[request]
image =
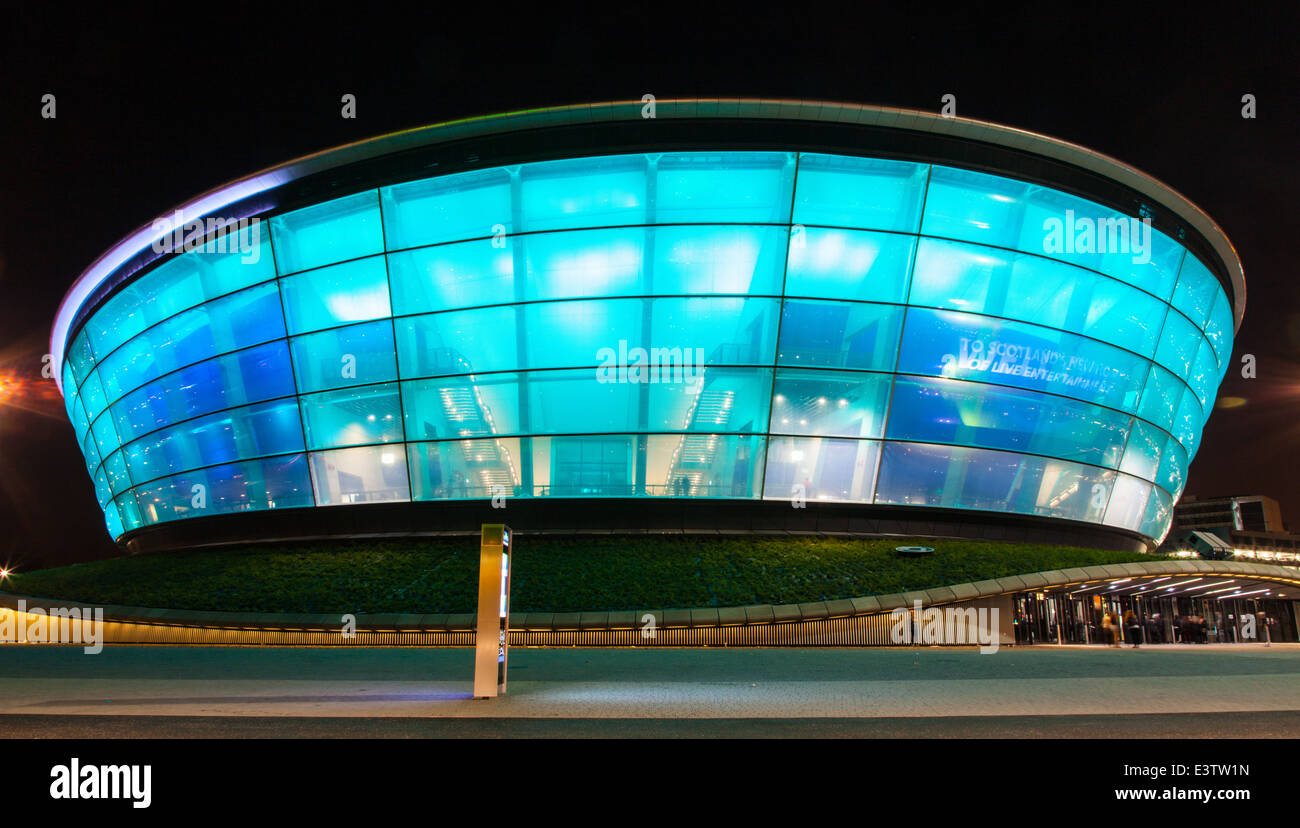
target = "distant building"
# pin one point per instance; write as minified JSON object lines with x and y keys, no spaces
{"x":1243,"y":526}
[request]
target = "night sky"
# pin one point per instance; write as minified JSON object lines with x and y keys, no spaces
{"x":157,"y":107}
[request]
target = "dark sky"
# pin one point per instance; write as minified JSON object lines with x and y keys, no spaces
{"x":155,"y":106}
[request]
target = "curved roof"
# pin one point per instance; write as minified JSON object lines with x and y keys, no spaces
{"x":104,"y":267}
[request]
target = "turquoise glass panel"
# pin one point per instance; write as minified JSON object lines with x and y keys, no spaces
{"x":1033,"y":289}
{"x":1197,"y":291}
{"x":973,"y":206}
{"x":829,"y":403}
{"x":453,"y":276}
{"x":584,"y":192}
{"x":342,"y":357}
{"x":336,"y":231}
{"x":849,"y":264}
{"x":353,"y":417}
{"x":740,"y":187}
{"x":1128,"y":502}
{"x":351,"y":292}
{"x":468,"y":469}
{"x":470,"y":205}
{"x":458,"y":342}
{"x":1159,"y":515}
{"x":867,"y":193}
{"x":1218,"y":329}
{"x":1179,"y":342}
{"x":1160,"y":397}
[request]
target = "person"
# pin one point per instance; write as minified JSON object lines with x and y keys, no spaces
{"x":1110,"y":624}
{"x":1134,"y":628}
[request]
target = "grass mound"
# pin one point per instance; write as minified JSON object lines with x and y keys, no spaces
{"x":597,"y":573}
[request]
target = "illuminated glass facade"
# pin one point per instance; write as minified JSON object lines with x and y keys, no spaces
{"x":734,"y":325}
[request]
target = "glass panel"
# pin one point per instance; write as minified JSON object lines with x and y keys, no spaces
{"x":463,"y":406}
{"x":79,"y":357}
{"x":106,"y":439}
{"x":840,"y":335}
{"x":1142,"y":454}
{"x":1159,"y":514}
{"x":1218,"y":329}
{"x":242,"y":433}
{"x":181,"y":283}
{"x":1128,"y":503}
{"x":115,"y":469}
{"x":919,"y":475}
{"x":371,"y":474}
{"x":1172,"y":476}
{"x":1033,"y":289}
{"x":829,"y":403}
{"x":218,"y":327}
{"x":840,"y":191}
{"x":450,"y":208}
{"x":351,"y":292}
{"x":584,"y":192}
{"x":457,"y":342}
{"x":249,"y":376}
{"x":966,"y":346}
{"x":338,"y":230}
{"x":849,"y":264}
{"x":817,"y":468}
{"x":676,"y":465}
{"x":1178,"y":344}
{"x":1204,"y":378}
{"x":711,"y":400}
{"x":453,"y":276}
{"x":739,"y":187}
{"x":353,"y":416}
{"x":972,"y":206}
{"x":1160,"y":397}
{"x":704,"y":260}
{"x":357,"y":355}
{"x":256,"y":485}
{"x":130,"y":511}
{"x":467,"y":469}
{"x":973,"y":414}
{"x":1197,"y":290}
{"x":92,"y":395}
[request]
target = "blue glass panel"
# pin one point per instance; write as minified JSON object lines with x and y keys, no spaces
{"x":255,"y":485}
{"x":849,"y":264}
{"x":1172,"y":476}
{"x":1160,"y":397}
{"x":1218,"y":329}
{"x":1146,"y":444}
{"x":91,"y":453}
{"x":1204,"y":378}
{"x":1188,"y":422}
{"x":218,"y":327}
{"x":238,"y":434}
{"x":92,"y":395}
{"x":115,"y":468}
{"x":79,"y":357}
{"x":829,"y":403}
{"x":1179,"y":343}
{"x":181,"y":283}
{"x":1159,"y":514}
{"x":106,"y":439}
{"x":583,"y":192}
{"x":80,"y":424}
{"x":739,"y":187}
{"x":351,"y":292}
{"x":839,"y":335}
{"x":820,"y":468}
{"x":965,"y":478}
{"x":973,"y":206}
{"x":1197,"y":290}
{"x":676,"y":465}
{"x":257,"y":374}
{"x":966,"y":346}
{"x":1033,"y":289}
{"x":370,"y":474}
{"x":342,"y":357}
{"x":69,"y":387}
{"x":1128,"y":503}
{"x":973,"y":414}
{"x":113,"y":521}
{"x":467,"y":469}
{"x":130,"y":511}
{"x":453,"y":276}
{"x":353,"y":416}
{"x":458,"y":342}
{"x":870,"y":193}
{"x":470,"y":205}
{"x":338,"y":230}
